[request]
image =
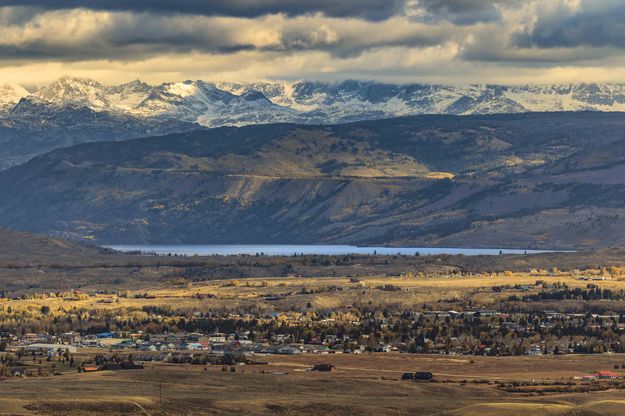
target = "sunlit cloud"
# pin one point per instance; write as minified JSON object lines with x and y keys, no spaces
{"x":450,"y":41}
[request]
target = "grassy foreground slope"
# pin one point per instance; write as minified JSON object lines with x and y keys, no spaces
{"x":362,"y":385}
{"x":22,"y":249}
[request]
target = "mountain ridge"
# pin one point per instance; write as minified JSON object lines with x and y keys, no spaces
{"x":531,"y":180}
{"x":74,"y":110}
{"x":317,"y":102}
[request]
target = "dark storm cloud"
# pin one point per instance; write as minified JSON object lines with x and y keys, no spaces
{"x":120,"y":37}
{"x":554,"y":31}
{"x":75,"y":35}
{"x":367,"y":9}
{"x":462,"y":12}
{"x":127,"y":30}
{"x":593,"y":24}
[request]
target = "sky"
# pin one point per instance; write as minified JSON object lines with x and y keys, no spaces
{"x":401,"y":41}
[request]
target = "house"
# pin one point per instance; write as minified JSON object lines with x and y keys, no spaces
{"x":324,"y":367}
{"x":50,"y":349}
{"x":148,"y":347}
{"x":423,"y":376}
{"x":217,"y":338}
{"x":602,"y":375}
{"x":125,"y":365}
{"x":91,"y":343}
{"x":110,"y":342}
{"x":288,"y":351}
{"x":384,"y":348}
{"x":191,"y":346}
{"x":32,"y":337}
{"x":608,"y":375}
{"x":70,"y":338}
{"x":166,"y":347}
{"x":18,"y":372}
{"x":125,"y":343}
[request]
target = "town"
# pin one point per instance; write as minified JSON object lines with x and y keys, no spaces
{"x":221,"y":322}
{"x":480,"y":332}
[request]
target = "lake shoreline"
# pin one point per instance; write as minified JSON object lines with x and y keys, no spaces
{"x":300,"y":249}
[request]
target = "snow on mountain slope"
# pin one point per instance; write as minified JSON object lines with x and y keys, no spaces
{"x":186,"y":100}
{"x":572,"y":97}
{"x":208,"y":105}
{"x":93,"y":95}
{"x":219,"y":104}
{"x":10,"y":95}
{"x":77,"y":92}
{"x":127,"y":96}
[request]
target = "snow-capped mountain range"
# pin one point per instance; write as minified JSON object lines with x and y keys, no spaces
{"x":218,"y":104}
{"x":72,"y":111}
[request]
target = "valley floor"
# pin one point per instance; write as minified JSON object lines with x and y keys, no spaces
{"x":502,"y":335}
{"x":367,"y":384}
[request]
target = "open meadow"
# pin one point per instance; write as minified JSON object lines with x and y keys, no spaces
{"x":283,"y":294}
{"x":367,"y":384}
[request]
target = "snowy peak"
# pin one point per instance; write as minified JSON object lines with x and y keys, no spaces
{"x":82,"y":92}
{"x":186,"y":100}
{"x":75,"y":91}
{"x":253,"y":95}
{"x":10,"y":95}
{"x":391,"y":99}
{"x":127,"y":96}
{"x":133,"y":86}
{"x":279,"y":93}
{"x":220,"y":104}
{"x":212,"y":106}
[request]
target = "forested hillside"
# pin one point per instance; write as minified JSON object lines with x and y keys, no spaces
{"x":545,"y":180}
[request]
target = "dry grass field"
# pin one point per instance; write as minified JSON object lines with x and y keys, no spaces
{"x":367,"y":384}
{"x":282,"y":293}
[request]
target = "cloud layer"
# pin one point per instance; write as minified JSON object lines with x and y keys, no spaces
{"x":588,"y":23}
{"x":369,"y":9}
{"x":455,"y":41}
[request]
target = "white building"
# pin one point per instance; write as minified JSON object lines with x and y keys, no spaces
{"x":50,"y":348}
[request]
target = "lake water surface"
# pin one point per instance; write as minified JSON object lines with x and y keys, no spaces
{"x":289,"y":249}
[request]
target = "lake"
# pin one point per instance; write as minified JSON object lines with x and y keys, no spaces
{"x":289,"y":249}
